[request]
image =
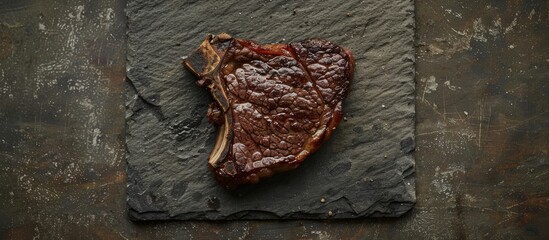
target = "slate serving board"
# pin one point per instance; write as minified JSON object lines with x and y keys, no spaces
{"x":366,"y":169}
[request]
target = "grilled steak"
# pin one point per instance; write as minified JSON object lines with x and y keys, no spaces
{"x":274,"y":104}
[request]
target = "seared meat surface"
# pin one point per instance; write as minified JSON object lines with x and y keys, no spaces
{"x":274,"y":104}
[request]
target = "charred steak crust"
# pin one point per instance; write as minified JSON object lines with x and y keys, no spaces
{"x":274,"y":104}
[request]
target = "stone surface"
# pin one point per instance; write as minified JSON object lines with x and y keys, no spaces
{"x":367,"y":167}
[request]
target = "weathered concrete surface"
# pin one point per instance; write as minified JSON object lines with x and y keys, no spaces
{"x":61,"y":86}
{"x":367,"y":167}
{"x":57,"y":185}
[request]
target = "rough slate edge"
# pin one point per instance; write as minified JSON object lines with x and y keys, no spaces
{"x":145,"y":101}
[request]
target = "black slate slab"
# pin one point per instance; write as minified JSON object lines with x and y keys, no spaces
{"x":366,"y":169}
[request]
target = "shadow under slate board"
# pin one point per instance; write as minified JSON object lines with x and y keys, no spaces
{"x":365,"y":170}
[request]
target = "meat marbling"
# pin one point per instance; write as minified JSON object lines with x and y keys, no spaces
{"x":275,"y":104}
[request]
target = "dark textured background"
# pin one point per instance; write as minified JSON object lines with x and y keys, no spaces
{"x":479,"y":175}
{"x":366,"y":169}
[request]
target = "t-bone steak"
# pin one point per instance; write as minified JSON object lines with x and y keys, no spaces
{"x":275,"y":104}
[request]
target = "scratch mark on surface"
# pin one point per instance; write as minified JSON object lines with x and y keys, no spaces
{"x":430,"y":85}
{"x":489,"y":118}
{"x":122,"y":236}
{"x":444,"y":103}
{"x":512,"y":25}
{"x":96,"y":133}
{"x":531,"y":14}
{"x":432,"y":132}
{"x":523,"y":202}
{"x":450,"y":86}
{"x":540,"y":175}
{"x":520,"y":123}
{"x":480,"y":126}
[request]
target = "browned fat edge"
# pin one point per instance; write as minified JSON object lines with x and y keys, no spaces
{"x":204,"y":63}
